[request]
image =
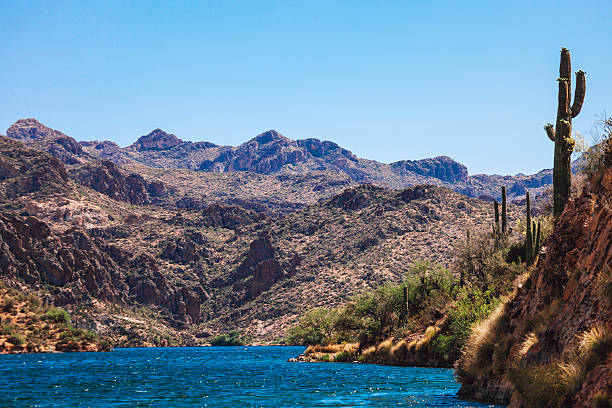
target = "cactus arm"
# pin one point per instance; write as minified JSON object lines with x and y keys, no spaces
{"x":550,"y":131}
{"x":580,"y":92}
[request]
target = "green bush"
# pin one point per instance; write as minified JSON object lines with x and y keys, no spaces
{"x":471,"y":307}
{"x":343,"y":357}
{"x":316,"y":327}
{"x":600,"y":154}
{"x":57,"y":316}
{"x":231,"y":339}
{"x":444,"y":347}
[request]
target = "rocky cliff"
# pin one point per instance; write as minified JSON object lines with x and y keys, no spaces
{"x":550,"y":344}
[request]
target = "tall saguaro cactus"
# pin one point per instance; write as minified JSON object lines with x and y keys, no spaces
{"x":504,"y":215}
{"x":528,"y":235}
{"x":561,"y":133}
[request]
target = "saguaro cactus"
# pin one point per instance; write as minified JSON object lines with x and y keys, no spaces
{"x":496,"y":209}
{"x":504,"y":215}
{"x":404,"y":311}
{"x":561,"y":133}
{"x":537,"y":242}
{"x":528,"y":235}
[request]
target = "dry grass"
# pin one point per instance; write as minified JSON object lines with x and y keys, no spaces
{"x":333,"y":352}
{"x":478,"y":352}
{"x":595,"y":346}
{"x":425,"y":341}
{"x":555,"y":384}
{"x":528,"y":342}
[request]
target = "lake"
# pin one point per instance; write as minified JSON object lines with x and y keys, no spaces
{"x":216,"y":377}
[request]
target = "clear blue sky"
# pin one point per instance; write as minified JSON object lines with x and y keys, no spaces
{"x":388,"y":80}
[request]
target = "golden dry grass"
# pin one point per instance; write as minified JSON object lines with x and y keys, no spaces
{"x":478,"y":352}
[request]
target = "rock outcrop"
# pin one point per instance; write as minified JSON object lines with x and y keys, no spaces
{"x":106,"y":178}
{"x":260,"y":266}
{"x":564,"y":296}
{"x":441,"y":167}
{"x":61,"y":146}
{"x":24,"y":170}
{"x":157,"y":140}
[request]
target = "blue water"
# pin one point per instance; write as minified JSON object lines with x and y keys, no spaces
{"x":215,"y":377}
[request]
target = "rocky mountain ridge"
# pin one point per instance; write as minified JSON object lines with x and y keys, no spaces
{"x":272,"y":155}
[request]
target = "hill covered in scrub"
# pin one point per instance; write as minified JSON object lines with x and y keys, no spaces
{"x":101,"y":243}
{"x":28,"y":325}
{"x":549,"y":344}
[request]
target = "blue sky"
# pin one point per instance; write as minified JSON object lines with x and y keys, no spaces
{"x":388,"y":80}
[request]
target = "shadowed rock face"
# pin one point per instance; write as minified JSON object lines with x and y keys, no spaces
{"x":442,"y":167}
{"x":24,"y":170}
{"x":157,"y":140}
{"x":106,"y":178}
{"x":82,"y":267}
{"x":261,"y":265}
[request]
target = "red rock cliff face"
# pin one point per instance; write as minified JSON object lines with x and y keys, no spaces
{"x":568,"y":275}
{"x":81,"y":267}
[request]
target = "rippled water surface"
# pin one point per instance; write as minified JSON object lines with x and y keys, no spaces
{"x":215,"y":377}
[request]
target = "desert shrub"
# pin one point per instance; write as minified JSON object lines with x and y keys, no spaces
{"x":325,"y":357}
{"x":516,"y":252}
{"x":444,"y":348}
{"x":33,"y":300}
{"x":33,"y":347}
{"x":105,"y":345}
{"x":479,"y":348}
{"x":6,"y":329}
{"x":343,"y":357}
{"x":471,"y":307}
{"x":16,"y":339}
{"x":595,"y":345}
{"x":545,"y":386}
{"x":58,"y":316}
{"x":377,"y":313}
{"x":230,"y":339}
{"x":9,"y":304}
{"x":426,"y":282}
{"x":315,"y":327}
{"x":600,"y":154}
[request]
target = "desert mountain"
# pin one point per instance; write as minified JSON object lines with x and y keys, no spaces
{"x":117,"y":251}
{"x":274,"y":158}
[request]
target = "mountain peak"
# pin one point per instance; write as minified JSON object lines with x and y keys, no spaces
{"x":269,"y":136}
{"x":157,"y":140}
{"x":31,"y":129}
